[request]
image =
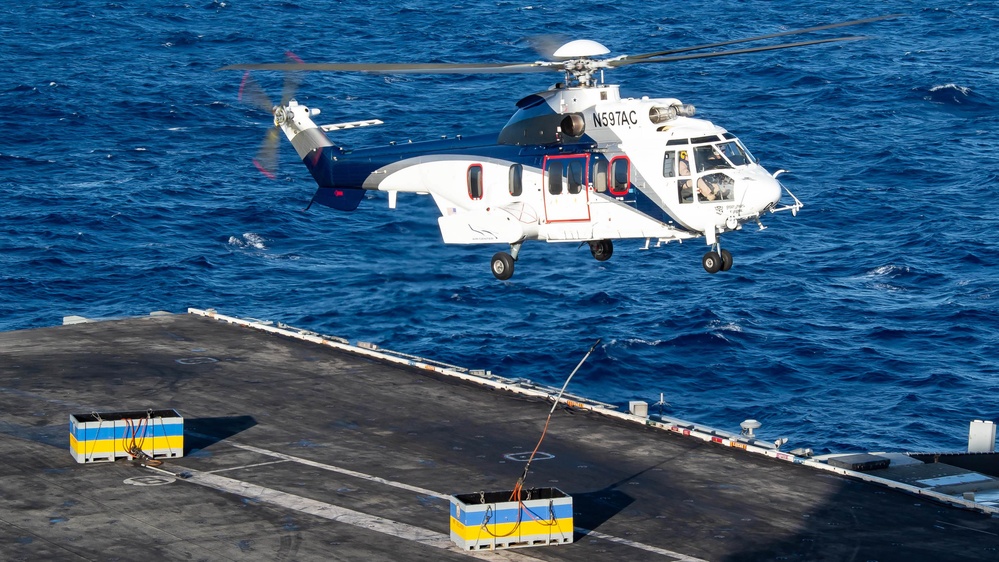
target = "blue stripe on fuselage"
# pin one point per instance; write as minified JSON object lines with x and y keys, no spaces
{"x":645,"y":205}
{"x":335,"y":167}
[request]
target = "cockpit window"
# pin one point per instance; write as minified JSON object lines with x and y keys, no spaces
{"x":734,"y":153}
{"x":714,"y":187}
{"x":710,"y":182}
{"x":746,"y":151}
{"x":708,"y":158}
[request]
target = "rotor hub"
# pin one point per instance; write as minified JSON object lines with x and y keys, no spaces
{"x":280,"y":116}
{"x":581,"y":71}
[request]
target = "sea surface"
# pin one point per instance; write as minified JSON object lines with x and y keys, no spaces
{"x":870,"y":321}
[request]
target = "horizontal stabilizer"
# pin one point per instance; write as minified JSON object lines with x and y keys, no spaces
{"x":351,"y":125}
{"x":338,"y":198}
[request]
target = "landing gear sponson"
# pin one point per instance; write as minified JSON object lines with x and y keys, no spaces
{"x":502,"y":262}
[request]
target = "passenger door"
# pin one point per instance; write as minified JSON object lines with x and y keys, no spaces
{"x":565,"y":190}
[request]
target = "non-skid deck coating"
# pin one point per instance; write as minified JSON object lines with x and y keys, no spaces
{"x":295,"y":451}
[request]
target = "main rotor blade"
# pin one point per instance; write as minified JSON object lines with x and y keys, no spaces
{"x":627,"y":61}
{"x":406,"y":68}
{"x":761,"y":37}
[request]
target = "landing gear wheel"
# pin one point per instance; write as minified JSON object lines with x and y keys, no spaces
{"x":726,"y":260}
{"x":502,"y":266}
{"x":712,"y":262}
{"x":602,"y":249}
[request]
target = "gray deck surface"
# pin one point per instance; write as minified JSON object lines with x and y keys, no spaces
{"x":274,"y":426}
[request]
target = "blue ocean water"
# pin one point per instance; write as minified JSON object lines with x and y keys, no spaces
{"x":869,"y":321}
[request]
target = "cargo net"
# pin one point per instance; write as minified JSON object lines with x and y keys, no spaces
{"x":135,"y":437}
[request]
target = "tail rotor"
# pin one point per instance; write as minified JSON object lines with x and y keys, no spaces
{"x":251,"y":93}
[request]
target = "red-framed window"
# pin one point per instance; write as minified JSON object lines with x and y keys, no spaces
{"x":619,"y":178}
{"x":474,"y":177}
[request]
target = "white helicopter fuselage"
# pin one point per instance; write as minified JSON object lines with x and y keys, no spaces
{"x":576,"y":164}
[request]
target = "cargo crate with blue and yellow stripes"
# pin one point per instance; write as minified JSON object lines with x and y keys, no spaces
{"x":490,"y":520}
{"x":105,"y":436}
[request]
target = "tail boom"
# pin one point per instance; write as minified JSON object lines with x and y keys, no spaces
{"x":318,"y":154}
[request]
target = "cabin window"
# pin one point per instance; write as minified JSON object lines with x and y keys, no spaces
{"x":475,"y":182}
{"x":669,"y":164}
{"x":620,"y":177}
{"x":684,"y":186}
{"x":516,"y":180}
{"x":574,"y":174}
{"x":555,"y":177}
{"x":600,"y":176}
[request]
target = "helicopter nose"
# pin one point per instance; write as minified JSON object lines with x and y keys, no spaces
{"x":762,"y":193}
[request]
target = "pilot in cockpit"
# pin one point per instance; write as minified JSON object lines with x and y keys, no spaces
{"x":708,"y":158}
{"x":707,"y":191}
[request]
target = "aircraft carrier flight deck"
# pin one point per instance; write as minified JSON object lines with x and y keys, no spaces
{"x":298,"y":446}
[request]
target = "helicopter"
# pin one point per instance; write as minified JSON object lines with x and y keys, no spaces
{"x":575,"y":163}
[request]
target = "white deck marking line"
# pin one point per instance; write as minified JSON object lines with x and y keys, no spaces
{"x":355,"y":474}
{"x":641,"y":546}
{"x":322,"y":509}
{"x":654,"y":549}
{"x":334,"y":513}
{"x":247,"y":466}
{"x":965,"y":528}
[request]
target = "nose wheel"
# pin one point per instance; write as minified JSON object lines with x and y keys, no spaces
{"x":715,"y":261}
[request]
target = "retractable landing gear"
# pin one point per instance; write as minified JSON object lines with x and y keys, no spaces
{"x":715,"y":261}
{"x":602,"y":249}
{"x":502,"y":263}
{"x":502,"y":266}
